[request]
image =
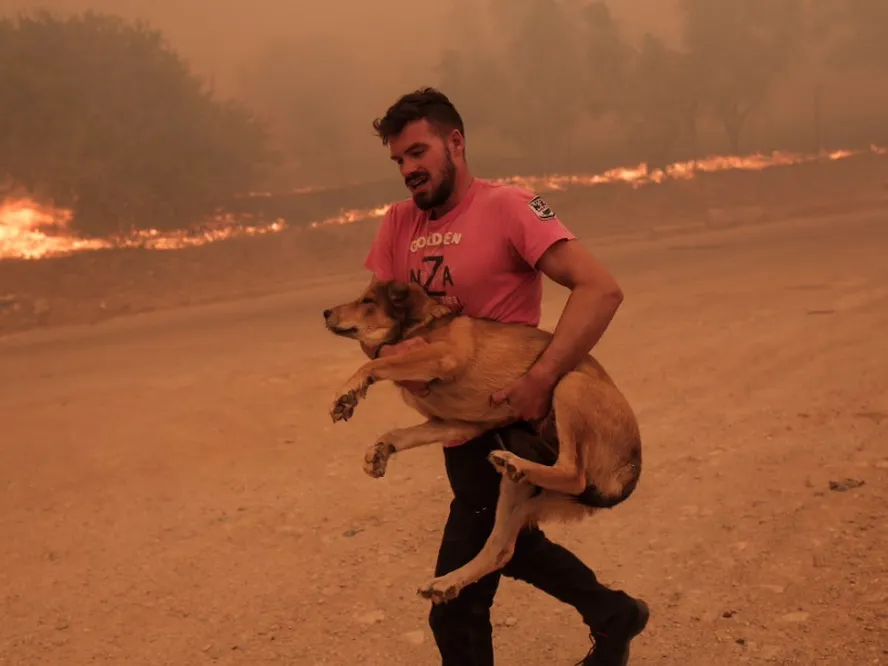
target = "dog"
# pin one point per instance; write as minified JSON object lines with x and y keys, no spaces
{"x":466,"y":360}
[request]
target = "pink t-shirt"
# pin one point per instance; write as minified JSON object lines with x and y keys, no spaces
{"x":481,"y":256}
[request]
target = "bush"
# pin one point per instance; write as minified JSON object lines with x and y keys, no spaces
{"x":101,"y":116}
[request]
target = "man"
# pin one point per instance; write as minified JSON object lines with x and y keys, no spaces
{"x":483,"y":247}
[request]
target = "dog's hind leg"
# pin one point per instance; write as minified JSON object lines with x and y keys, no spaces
{"x":514,"y":508}
{"x":432,"y":431}
{"x":567,"y":474}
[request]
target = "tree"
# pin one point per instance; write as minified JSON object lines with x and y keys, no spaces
{"x":475,"y":80}
{"x":102,"y":116}
{"x":822,"y":32}
{"x":822,"y":27}
{"x":542,"y":100}
{"x":562,"y":61}
{"x":471,"y":70}
{"x":864,"y":44}
{"x":662,"y":103}
{"x":307,"y":89}
{"x":738,"y":50}
{"x":606,"y":59}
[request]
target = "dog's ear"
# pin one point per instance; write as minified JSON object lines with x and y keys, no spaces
{"x":398,"y":294}
{"x":399,"y":300}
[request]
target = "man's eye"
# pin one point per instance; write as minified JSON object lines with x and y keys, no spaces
{"x":367,"y":301}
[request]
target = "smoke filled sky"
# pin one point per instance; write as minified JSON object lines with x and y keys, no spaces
{"x":545,"y":94}
{"x":399,"y":39}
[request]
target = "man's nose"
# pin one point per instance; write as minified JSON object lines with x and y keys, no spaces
{"x":408,"y":168}
{"x":327,"y":313}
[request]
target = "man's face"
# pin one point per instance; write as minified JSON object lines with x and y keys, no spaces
{"x":426,"y":164}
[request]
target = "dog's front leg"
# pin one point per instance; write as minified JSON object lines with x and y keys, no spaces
{"x":352,"y":391}
{"x":432,"y":431}
{"x":433,"y":361}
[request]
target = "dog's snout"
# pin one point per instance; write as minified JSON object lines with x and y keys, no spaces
{"x":327,"y":313}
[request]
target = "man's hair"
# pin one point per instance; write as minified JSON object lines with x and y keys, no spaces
{"x":425,"y":103}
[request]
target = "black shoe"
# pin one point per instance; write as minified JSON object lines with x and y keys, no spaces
{"x":611,"y":648}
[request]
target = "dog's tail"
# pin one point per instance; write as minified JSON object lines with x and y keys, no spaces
{"x":594,"y":498}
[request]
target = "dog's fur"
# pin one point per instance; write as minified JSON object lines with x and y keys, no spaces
{"x":466,"y":361}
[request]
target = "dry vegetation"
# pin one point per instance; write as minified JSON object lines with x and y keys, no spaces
{"x":93,"y":286}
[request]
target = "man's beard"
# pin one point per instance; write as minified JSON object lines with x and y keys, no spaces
{"x":440,"y":195}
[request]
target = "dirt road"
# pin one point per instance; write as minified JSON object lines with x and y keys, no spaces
{"x":173,"y":491}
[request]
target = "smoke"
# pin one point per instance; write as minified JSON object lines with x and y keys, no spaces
{"x":320,"y":72}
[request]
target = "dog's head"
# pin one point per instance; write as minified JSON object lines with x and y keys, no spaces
{"x":385,"y":313}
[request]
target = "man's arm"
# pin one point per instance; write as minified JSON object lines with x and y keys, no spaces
{"x":594,"y":298}
{"x":539,"y":237}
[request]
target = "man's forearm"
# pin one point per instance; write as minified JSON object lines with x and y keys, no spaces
{"x":585,"y":318}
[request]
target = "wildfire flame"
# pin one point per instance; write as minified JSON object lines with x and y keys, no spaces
{"x":29,"y":230}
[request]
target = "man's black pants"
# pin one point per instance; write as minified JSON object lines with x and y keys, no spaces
{"x":462,"y":626}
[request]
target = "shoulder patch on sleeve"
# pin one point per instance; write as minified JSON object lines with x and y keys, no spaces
{"x":541,"y":209}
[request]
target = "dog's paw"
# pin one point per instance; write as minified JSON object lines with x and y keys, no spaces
{"x":440,"y":590}
{"x":376,"y":459}
{"x":507,"y":463}
{"x":354,"y":391}
{"x":344,"y":407}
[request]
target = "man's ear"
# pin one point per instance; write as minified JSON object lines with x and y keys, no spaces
{"x":457,"y":142}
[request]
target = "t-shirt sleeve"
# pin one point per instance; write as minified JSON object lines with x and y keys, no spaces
{"x":533,"y":227}
{"x":381,"y":258}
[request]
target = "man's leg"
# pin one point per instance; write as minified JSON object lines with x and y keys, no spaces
{"x":544,"y":564}
{"x":561,"y":574}
{"x":612,"y":616}
{"x":461,"y":627}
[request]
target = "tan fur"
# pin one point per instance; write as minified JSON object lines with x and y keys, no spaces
{"x":466,"y":361}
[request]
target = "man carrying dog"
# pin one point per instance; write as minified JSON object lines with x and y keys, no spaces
{"x":483,"y":248}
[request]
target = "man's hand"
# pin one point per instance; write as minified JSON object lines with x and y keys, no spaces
{"x":419,"y":389}
{"x":530,"y":397}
